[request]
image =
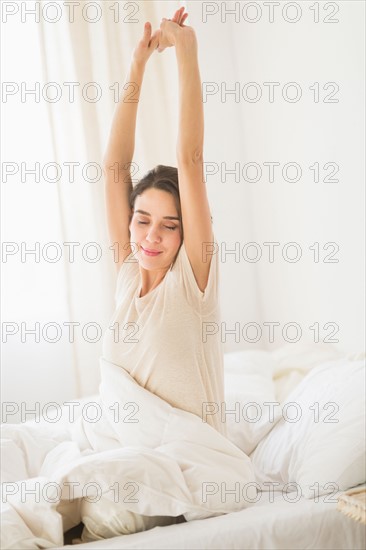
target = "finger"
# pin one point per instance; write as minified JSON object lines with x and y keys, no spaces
{"x":147,"y":32}
{"x":178,"y":12}
{"x":178,"y":15}
{"x":183,"y":18}
{"x":154,"y":42}
{"x":181,"y":15}
{"x":181,"y":22}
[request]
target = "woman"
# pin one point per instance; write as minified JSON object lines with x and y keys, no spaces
{"x":167,"y":314}
{"x":164,"y":335}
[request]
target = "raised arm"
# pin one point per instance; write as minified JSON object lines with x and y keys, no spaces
{"x":196,"y":215}
{"x":120,"y":149}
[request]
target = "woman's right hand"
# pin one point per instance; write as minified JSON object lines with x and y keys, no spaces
{"x":146,"y":46}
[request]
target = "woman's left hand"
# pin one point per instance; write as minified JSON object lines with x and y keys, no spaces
{"x":169,"y":29}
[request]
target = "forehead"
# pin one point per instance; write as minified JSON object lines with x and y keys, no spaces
{"x":156,"y":201}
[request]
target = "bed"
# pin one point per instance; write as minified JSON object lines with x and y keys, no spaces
{"x":298,"y":414}
{"x":278,"y":525}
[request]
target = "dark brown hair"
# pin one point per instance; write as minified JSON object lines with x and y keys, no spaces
{"x":161,"y":177}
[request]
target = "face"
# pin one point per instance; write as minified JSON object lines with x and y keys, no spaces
{"x":155,"y":227}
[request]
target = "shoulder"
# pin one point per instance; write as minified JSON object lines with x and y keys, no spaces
{"x":182,"y":270}
{"x":127,"y":277}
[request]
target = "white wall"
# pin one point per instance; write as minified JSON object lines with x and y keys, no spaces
{"x":304,"y":132}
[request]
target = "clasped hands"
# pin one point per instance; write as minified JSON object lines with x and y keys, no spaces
{"x":165,"y":37}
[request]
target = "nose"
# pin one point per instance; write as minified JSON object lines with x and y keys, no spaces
{"x":153,"y":235}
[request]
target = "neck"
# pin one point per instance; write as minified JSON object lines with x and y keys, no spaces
{"x":151,"y":279}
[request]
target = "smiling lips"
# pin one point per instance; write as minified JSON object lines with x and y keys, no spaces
{"x":151,"y":252}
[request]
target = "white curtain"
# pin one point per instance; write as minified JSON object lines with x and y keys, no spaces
{"x":86,"y":59}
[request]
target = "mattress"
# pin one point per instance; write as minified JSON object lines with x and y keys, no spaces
{"x":272,"y":523}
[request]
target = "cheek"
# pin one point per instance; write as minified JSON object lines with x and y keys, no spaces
{"x":175,"y":238}
{"x":135,"y":229}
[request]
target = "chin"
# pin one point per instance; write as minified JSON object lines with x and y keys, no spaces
{"x":150,"y":262}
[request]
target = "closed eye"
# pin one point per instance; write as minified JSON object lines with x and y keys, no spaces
{"x":172,"y":228}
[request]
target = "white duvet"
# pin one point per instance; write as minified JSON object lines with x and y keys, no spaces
{"x":141,"y":463}
{"x":127,"y":476}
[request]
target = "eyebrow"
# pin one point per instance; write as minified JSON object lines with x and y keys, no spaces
{"x":164,"y":217}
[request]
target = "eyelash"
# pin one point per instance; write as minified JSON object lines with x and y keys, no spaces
{"x":171,"y":228}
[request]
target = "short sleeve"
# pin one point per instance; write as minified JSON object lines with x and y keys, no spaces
{"x":207,"y":301}
{"x":126,"y":275}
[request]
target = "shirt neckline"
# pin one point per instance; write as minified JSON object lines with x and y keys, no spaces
{"x":137,"y":297}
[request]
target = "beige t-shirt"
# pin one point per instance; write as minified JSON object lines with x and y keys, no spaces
{"x":169,"y":340}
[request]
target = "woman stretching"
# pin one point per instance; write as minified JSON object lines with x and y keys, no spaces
{"x":167,"y":300}
{"x":163,"y":354}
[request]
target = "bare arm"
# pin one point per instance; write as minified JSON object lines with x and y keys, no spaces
{"x":196,"y":213}
{"x":121,"y":141}
{"x":120,"y":149}
{"x":191,"y":123}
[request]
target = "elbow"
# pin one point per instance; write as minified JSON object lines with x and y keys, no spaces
{"x":191,"y":157}
{"x":107,"y":165}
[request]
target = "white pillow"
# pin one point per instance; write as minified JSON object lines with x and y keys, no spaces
{"x":322,"y":456}
{"x":295,"y":361}
{"x":108,"y":523}
{"x":248,"y":379}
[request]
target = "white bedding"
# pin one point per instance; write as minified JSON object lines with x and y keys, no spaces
{"x":171,"y":454}
{"x":268,"y":525}
{"x":150,"y":460}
